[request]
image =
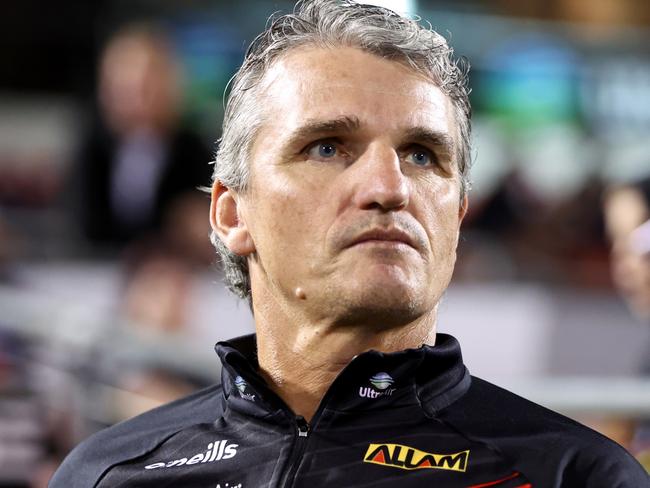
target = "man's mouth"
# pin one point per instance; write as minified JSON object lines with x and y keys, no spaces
{"x":392,"y":237}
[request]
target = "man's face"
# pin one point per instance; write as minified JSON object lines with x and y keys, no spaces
{"x":354,"y":191}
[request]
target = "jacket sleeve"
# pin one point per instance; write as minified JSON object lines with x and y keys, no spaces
{"x":88,"y":463}
{"x":80,"y":469}
{"x":610,"y":466}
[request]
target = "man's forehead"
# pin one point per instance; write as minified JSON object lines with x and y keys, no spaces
{"x":335,"y":65}
{"x":331,"y":83}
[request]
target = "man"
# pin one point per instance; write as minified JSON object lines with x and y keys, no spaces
{"x":627,"y":213}
{"x":340,"y":186}
{"x":627,"y":218}
{"x":138,"y":166}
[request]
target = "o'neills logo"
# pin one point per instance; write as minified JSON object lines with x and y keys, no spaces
{"x":381,"y":382}
{"x":404,"y":457}
{"x":217,"y":451}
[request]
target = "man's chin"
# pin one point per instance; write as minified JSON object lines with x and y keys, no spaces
{"x":395,"y":273}
{"x":382,"y":307}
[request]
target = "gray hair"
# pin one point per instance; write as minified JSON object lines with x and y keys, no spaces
{"x":330,"y":23}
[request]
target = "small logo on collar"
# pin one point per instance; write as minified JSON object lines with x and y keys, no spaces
{"x":242,"y":386}
{"x":380,"y":381}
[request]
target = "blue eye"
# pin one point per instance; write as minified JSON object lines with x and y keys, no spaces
{"x":323,"y":150}
{"x":420,"y":157}
{"x":326,"y":150}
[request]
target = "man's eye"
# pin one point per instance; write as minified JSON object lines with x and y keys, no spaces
{"x":322,"y":150}
{"x":420,"y":157}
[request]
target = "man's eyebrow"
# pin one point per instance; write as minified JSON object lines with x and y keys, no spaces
{"x":428,"y":136}
{"x":312,"y":127}
{"x":347,"y":124}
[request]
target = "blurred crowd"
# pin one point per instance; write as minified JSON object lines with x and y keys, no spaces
{"x":136,"y":214}
{"x":136,"y":198}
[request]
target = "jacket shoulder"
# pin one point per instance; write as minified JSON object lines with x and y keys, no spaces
{"x":549,"y":448}
{"x":87,"y":462}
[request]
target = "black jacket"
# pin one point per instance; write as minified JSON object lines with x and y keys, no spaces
{"x":411,"y":418}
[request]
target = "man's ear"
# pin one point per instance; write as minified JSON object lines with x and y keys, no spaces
{"x":462,"y":211}
{"x":227,"y":222}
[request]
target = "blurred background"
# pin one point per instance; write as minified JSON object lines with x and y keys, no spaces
{"x":110,"y":295}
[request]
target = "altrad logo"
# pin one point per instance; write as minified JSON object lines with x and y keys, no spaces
{"x":241,"y":385}
{"x":381,"y":382}
{"x":217,"y":451}
{"x":404,"y":457}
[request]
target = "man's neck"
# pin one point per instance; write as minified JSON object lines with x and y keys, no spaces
{"x":300,"y":361}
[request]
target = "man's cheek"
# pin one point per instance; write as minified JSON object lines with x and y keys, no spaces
{"x":292,"y":233}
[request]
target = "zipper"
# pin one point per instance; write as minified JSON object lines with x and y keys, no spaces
{"x":300,"y":443}
{"x":303,"y":430}
{"x":303,"y":426}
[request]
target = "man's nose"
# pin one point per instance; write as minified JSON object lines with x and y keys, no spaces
{"x":380,"y":181}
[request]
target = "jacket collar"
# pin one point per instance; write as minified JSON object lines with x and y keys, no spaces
{"x":430,"y":376}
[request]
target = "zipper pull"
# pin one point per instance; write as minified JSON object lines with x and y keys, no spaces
{"x":303,"y":426}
